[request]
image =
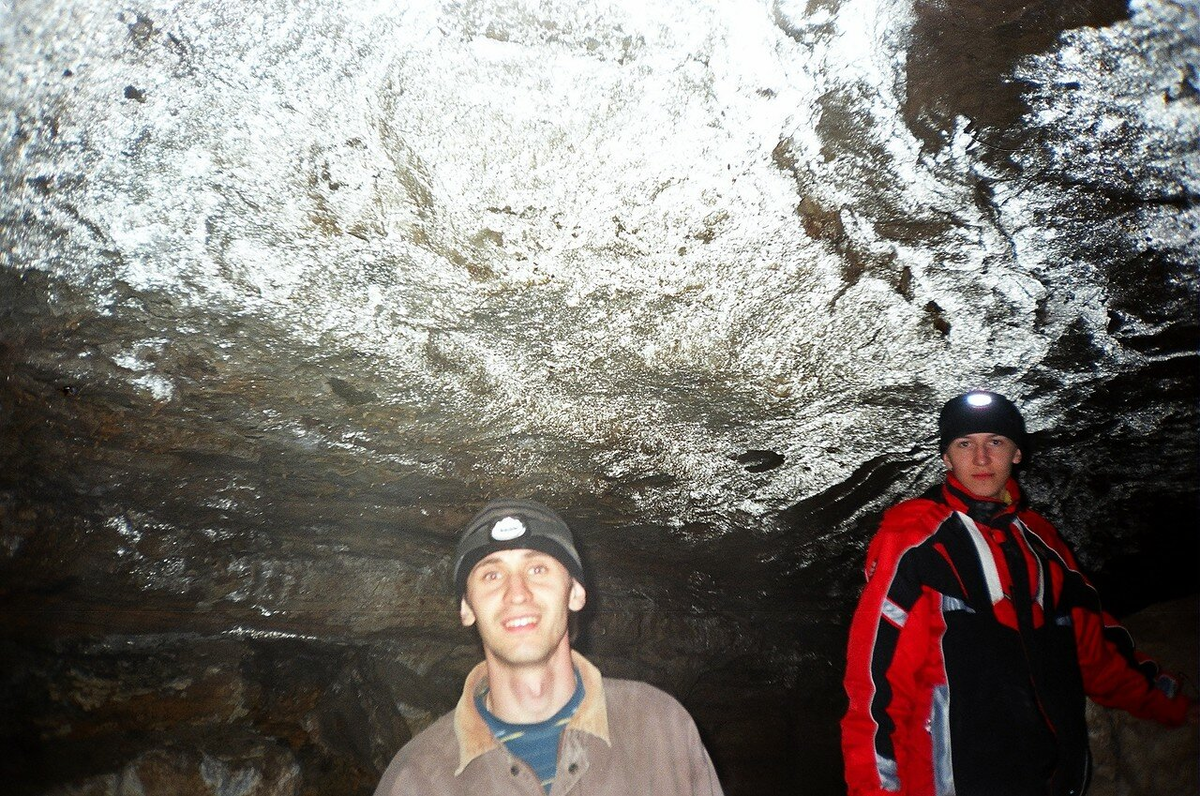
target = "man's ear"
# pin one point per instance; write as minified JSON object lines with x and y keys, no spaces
{"x":465,"y":613}
{"x":577,"y":597}
{"x":946,"y":461}
{"x":1017,"y":457}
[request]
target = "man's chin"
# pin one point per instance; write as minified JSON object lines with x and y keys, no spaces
{"x":521,"y":659}
{"x":524,"y":654}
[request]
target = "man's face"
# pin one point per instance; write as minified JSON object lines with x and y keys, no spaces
{"x":520,"y":600}
{"x":982,"y":462}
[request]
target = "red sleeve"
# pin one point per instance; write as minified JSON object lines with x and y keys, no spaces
{"x":1114,"y":673}
{"x":1110,"y":680}
{"x":884,"y":659}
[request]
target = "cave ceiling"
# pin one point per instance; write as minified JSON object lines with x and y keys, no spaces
{"x":289,"y":290}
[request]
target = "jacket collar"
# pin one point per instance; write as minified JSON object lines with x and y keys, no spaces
{"x":997,"y":513}
{"x":475,"y":738}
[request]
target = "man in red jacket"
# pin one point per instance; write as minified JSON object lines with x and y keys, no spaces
{"x":977,"y":638}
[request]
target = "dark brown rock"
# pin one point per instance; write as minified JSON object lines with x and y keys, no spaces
{"x":287,"y":293}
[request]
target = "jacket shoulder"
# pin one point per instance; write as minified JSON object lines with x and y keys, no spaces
{"x":1045,"y":531}
{"x":637,"y":703}
{"x":904,"y":526}
{"x":1036,"y":521}
{"x":914,"y":518}
{"x":635,"y":692}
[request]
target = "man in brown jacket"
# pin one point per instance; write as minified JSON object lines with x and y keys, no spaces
{"x":535,"y":717}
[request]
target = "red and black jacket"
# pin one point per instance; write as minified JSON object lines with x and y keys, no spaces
{"x":971,"y":650}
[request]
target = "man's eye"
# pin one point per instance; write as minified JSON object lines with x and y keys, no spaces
{"x":490,"y":575}
{"x":537,"y":569}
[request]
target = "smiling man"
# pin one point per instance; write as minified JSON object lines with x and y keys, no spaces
{"x":976,"y":638}
{"x":535,"y":717}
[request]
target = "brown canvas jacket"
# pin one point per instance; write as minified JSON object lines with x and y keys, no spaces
{"x":626,"y":738}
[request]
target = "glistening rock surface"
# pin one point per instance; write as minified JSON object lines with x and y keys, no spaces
{"x":290,"y":289}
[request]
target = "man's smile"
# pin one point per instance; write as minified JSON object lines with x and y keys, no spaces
{"x":520,"y":622}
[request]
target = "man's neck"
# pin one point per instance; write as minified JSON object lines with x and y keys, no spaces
{"x":994,"y":511}
{"x":533,"y":692}
{"x":1005,"y":498}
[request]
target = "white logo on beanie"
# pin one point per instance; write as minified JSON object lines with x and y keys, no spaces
{"x":508,"y":528}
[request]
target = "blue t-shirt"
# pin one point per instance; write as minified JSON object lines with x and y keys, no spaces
{"x":536,"y":744}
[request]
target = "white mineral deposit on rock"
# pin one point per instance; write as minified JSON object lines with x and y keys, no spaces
{"x":287,"y":289}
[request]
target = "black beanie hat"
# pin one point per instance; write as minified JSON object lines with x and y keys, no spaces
{"x":514,"y":525}
{"x":981,"y":412}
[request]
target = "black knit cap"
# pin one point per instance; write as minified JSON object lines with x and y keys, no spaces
{"x":981,"y":412}
{"x":514,"y":525}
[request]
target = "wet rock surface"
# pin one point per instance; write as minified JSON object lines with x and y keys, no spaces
{"x":289,"y":290}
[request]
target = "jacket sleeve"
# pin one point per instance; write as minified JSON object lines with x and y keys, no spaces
{"x":703,"y":776}
{"x":395,"y":780}
{"x":1115,"y":673}
{"x":661,"y":751}
{"x":887,"y":649}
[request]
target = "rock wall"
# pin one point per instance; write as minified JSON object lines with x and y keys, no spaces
{"x":288,"y":290}
{"x":1133,"y":757}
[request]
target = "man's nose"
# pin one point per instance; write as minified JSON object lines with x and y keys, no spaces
{"x":982,"y":455}
{"x":518,"y":590}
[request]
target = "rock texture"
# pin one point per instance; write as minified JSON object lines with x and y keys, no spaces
{"x":288,"y":290}
{"x":1132,"y":758}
